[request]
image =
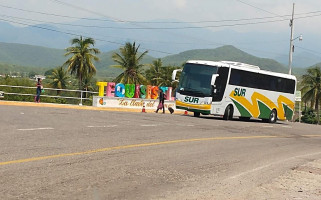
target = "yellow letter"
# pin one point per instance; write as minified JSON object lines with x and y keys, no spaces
{"x":101,"y":86}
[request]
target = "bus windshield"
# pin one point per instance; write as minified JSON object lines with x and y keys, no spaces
{"x":195,"y":80}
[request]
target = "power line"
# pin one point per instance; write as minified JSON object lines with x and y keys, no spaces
{"x":312,"y":51}
{"x":146,"y":28}
{"x":147,"y":22}
{"x":78,"y":35}
{"x":106,"y":27}
{"x":152,"y":28}
{"x":258,"y":8}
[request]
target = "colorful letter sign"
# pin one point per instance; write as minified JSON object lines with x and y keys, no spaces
{"x":132,"y":90}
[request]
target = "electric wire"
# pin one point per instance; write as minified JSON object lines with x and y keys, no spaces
{"x":156,"y":22}
{"x":78,"y":35}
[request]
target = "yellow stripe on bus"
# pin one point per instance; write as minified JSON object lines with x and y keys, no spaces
{"x":195,"y":106}
{"x":253,"y":107}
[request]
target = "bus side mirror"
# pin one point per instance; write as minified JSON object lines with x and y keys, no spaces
{"x":214,"y":76}
{"x":174,"y":74}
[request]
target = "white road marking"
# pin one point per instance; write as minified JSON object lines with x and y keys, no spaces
{"x":107,"y":126}
{"x":286,"y":126}
{"x":34,"y":129}
{"x":190,"y":125}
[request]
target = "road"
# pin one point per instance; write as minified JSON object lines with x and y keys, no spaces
{"x":56,"y":153}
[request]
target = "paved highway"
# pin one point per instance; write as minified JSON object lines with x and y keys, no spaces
{"x":57,"y":153}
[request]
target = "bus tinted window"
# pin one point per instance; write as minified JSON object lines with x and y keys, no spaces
{"x":261,"y":81}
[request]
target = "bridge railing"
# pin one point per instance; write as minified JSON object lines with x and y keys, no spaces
{"x":77,"y":95}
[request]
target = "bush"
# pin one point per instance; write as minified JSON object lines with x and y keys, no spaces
{"x":309,"y":116}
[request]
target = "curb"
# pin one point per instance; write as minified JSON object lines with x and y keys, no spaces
{"x":77,"y":107}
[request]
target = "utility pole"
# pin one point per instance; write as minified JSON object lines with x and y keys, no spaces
{"x":291,"y":41}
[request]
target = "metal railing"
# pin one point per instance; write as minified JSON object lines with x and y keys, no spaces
{"x":81,"y":98}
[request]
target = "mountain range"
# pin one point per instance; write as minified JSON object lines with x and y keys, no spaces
{"x":110,"y":35}
{"x":42,"y":58}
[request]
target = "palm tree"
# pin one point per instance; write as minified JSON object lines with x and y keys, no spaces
{"x":59,"y":77}
{"x":128,"y":60}
{"x":82,"y":56}
{"x":155,"y":72}
{"x":311,"y":82}
{"x":87,"y":84}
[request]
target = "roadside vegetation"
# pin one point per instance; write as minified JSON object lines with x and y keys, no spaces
{"x":78,"y":72}
{"x":311,"y":90}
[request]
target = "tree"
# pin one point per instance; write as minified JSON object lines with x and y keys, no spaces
{"x":82,"y":56}
{"x":311,"y":82}
{"x":60,"y":79}
{"x":155,"y":72}
{"x":128,"y":60}
{"x":166,"y":77}
{"x":88,"y":84}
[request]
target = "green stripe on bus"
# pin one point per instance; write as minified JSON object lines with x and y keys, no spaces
{"x":288,"y":112}
{"x":264,"y":111}
{"x":242,"y":110}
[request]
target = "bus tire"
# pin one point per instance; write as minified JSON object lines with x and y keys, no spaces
{"x":246,"y":119}
{"x":273,"y":116}
{"x":228,"y":114}
{"x":197,"y":114}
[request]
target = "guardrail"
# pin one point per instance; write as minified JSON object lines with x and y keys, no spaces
{"x":81,"y":98}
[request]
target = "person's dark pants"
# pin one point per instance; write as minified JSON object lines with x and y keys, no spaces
{"x":38,"y":94}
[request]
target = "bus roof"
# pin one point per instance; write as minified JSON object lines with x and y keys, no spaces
{"x":241,"y":66}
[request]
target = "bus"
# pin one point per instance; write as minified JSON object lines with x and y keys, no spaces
{"x":233,"y":89}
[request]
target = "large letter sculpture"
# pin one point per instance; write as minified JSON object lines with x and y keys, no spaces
{"x":130,"y":90}
{"x":110,"y":92}
{"x":101,"y":86}
{"x":119,"y":90}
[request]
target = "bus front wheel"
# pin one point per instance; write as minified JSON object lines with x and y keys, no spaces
{"x":228,"y":114}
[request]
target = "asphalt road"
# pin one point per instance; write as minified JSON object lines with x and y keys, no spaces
{"x":55,"y":153}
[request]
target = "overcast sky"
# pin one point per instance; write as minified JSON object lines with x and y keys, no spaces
{"x":183,"y":10}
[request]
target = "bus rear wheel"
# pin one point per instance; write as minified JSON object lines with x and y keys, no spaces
{"x":228,"y":114}
{"x":272,"y":117}
{"x":197,"y":114}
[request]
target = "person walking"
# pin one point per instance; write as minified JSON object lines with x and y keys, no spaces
{"x":161,"y":102}
{"x":39,"y":88}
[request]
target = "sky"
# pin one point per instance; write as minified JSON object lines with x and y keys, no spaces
{"x":226,"y":14}
{"x":182,"y":10}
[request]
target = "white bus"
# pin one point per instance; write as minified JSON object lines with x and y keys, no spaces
{"x":233,"y":89}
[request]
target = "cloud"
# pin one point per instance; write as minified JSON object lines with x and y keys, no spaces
{"x":180,"y":3}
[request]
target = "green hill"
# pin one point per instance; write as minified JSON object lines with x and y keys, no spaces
{"x":14,"y":56}
{"x":35,"y":58}
{"x":228,"y":53}
{"x":28,"y":55}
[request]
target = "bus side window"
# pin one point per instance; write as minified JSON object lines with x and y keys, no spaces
{"x":235,"y":78}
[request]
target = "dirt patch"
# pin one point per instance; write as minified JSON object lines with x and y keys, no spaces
{"x":303,"y":182}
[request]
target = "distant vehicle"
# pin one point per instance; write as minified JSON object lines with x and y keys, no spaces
{"x":1,"y":94}
{"x":233,"y":89}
